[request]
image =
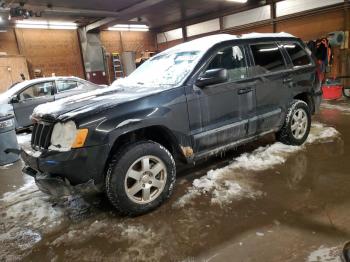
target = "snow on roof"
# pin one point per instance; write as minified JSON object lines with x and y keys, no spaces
{"x":204,"y":43}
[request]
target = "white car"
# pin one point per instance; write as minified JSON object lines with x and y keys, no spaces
{"x":23,"y":97}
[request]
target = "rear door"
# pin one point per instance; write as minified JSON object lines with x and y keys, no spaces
{"x":219,"y":114}
{"x":303,"y":71}
{"x":273,"y":85}
{"x":29,"y":98}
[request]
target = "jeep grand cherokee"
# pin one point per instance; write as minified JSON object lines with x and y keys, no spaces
{"x":189,"y":102}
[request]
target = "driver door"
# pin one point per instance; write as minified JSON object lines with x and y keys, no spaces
{"x":219,"y":114}
{"x":30,"y":98}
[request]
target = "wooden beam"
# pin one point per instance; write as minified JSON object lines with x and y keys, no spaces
{"x":125,"y":14}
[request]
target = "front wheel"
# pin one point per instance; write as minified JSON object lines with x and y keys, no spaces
{"x":297,"y":124}
{"x":140,"y":177}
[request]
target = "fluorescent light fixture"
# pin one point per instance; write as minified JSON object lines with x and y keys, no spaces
{"x":33,"y":24}
{"x":129,"y":27}
{"x":238,"y":1}
{"x":1,"y":19}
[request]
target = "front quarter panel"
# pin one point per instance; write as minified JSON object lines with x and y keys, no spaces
{"x":167,"y":109}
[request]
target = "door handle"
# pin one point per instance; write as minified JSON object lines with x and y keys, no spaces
{"x":242,"y":91}
{"x":287,"y":80}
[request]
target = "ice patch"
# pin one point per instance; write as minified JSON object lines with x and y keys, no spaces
{"x":226,"y":184}
{"x":325,"y":254}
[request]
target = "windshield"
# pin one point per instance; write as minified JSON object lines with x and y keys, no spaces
{"x":164,"y":70}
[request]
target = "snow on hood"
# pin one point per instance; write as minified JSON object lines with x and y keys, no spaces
{"x":5,"y":109}
{"x":111,"y":95}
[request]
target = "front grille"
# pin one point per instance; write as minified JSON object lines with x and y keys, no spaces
{"x":41,"y":135}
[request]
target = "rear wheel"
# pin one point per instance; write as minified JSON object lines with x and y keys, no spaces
{"x":296,"y":127}
{"x":140,"y":178}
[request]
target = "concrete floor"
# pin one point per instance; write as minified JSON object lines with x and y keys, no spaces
{"x":263,"y":202}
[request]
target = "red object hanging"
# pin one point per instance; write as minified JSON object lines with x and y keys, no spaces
{"x":332,"y":92}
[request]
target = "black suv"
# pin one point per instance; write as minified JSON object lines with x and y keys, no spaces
{"x":189,"y":102}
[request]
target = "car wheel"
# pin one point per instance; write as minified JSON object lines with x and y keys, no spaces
{"x":140,"y":177}
{"x":296,"y":127}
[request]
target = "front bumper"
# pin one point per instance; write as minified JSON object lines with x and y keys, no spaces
{"x":76,"y":166}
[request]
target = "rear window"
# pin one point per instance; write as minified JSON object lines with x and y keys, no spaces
{"x":297,"y":54}
{"x":267,"y":57}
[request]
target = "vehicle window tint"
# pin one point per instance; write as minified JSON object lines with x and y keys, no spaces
{"x":233,"y":59}
{"x":37,"y":90}
{"x":297,"y":54}
{"x":267,"y":57}
{"x":64,"y":85}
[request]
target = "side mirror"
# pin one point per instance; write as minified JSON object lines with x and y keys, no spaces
{"x":14,"y":100}
{"x":212,"y":77}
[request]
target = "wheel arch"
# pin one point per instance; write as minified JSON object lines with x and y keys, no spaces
{"x":307,"y":98}
{"x":156,"y":133}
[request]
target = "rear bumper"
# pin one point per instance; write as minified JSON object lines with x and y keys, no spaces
{"x":77,"y":166}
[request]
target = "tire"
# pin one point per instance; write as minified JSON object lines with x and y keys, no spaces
{"x":295,"y":135}
{"x":346,"y":92}
{"x":135,"y":188}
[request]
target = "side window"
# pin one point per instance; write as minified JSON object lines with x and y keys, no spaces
{"x":64,"y":85}
{"x":37,"y":90}
{"x":267,"y":57}
{"x":297,"y":54}
{"x":233,"y":59}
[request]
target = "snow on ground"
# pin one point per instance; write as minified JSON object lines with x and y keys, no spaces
{"x":228,"y":183}
{"x":27,"y":214}
{"x":145,"y":243}
{"x":325,"y":254}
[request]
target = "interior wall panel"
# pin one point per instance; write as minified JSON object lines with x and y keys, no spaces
{"x":8,"y":43}
{"x":11,"y":68}
{"x":164,"y":46}
{"x":169,"y":35}
{"x":51,"y":51}
{"x":313,"y":26}
{"x":288,"y":7}
{"x":247,"y":17}
{"x":256,"y":29}
{"x":204,"y":27}
{"x":115,"y":41}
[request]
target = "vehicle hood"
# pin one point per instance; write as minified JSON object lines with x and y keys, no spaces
{"x":6,"y":109}
{"x":97,"y":100}
{"x":4,"y":99}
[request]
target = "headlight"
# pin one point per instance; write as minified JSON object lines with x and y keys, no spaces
{"x":6,"y":123}
{"x":66,"y":136}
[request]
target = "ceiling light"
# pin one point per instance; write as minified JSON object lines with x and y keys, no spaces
{"x":129,"y":27}
{"x":34,"y":24}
